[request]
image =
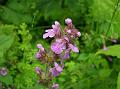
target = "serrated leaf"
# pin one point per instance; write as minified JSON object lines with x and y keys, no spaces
{"x":112,"y":51}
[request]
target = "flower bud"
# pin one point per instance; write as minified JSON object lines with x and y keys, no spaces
{"x":79,"y":34}
{"x":73,"y":48}
{"x":3,"y":71}
{"x":55,"y":86}
{"x":69,"y":31}
{"x":56,"y":70}
{"x":114,"y":41}
{"x":110,"y":58}
{"x":57,"y":23}
{"x":38,"y":71}
{"x":68,"y":21}
{"x":38,"y":55}
{"x":40,"y":47}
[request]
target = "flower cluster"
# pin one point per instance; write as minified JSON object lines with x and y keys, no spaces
{"x":61,"y":47}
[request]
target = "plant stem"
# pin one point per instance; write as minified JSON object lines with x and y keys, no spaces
{"x":113,"y":15}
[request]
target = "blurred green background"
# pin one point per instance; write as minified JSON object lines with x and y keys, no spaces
{"x":23,"y":22}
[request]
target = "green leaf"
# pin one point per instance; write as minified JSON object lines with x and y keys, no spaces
{"x":10,"y":16}
{"x":112,"y":51}
{"x":6,"y":79}
{"x":82,"y":57}
{"x":118,"y":81}
{"x":103,"y":9}
{"x":71,"y":66}
{"x":18,"y":11}
{"x":105,"y":73}
{"x":106,"y":15}
{"x":6,"y":39}
{"x":38,"y":86}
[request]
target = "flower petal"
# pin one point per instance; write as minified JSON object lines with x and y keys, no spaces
{"x":55,"y":86}
{"x":59,"y":69}
{"x":57,"y":23}
{"x":79,"y":34}
{"x":38,"y":55}
{"x":45,"y":35}
{"x":54,"y":72}
{"x":73,"y":48}
{"x":56,"y":48}
{"x":68,"y":21}
{"x":67,"y":54}
{"x":38,"y":70}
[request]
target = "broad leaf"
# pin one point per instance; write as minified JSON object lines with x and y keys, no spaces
{"x":6,"y":39}
{"x":112,"y":51}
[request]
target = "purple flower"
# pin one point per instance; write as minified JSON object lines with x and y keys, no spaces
{"x":67,"y":54}
{"x":55,"y":86}
{"x":61,"y":47}
{"x":72,"y":32}
{"x":114,"y":41}
{"x":109,"y":58}
{"x":57,"y":23}
{"x":79,"y":34}
{"x":73,"y":48}
{"x":49,"y":33}
{"x":38,"y":55}
{"x":56,"y":70}
{"x":68,"y":21}
{"x":3,"y":71}
{"x":41,"y":51}
{"x":55,"y":31}
{"x":70,"y":29}
{"x":40,"y":47}
{"x":58,"y":46}
{"x":38,"y":71}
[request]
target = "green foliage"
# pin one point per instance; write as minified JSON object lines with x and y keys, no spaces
{"x":105,"y":17}
{"x":5,"y":79}
{"x":26,"y":70}
{"x":118,"y":81}
{"x":112,"y":51}
{"x":91,"y":73}
{"x":7,"y":36}
{"x":22,"y":23}
{"x":17,"y":12}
